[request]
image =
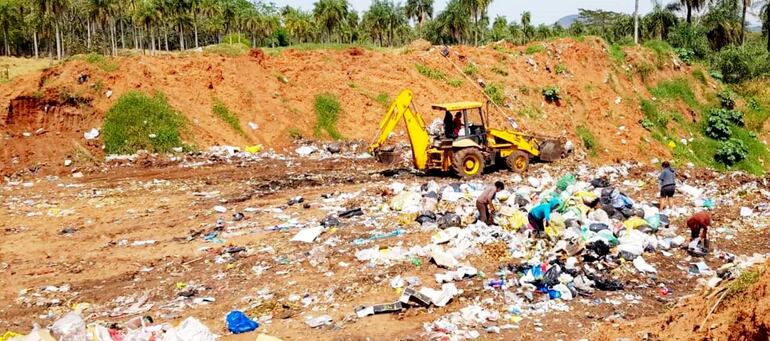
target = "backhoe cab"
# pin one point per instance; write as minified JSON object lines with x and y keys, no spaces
{"x":468,"y":154}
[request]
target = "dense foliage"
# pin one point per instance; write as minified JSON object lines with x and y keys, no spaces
{"x":67,"y":27}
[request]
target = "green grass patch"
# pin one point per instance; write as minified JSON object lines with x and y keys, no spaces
{"x":495,"y":93}
{"x":295,"y":134}
{"x":532,"y":112}
{"x":455,"y":82}
{"x":747,"y":278}
{"x":101,"y":61}
{"x":560,"y":69}
{"x":587,"y":138}
{"x":757,"y":113}
{"x":500,"y":70}
{"x":645,"y":70}
{"x":431,"y":73}
{"x":533,"y":49}
{"x":327,"y":110}
{"x":324,"y":46}
{"x":383,"y":99}
{"x":227,"y":49}
{"x":138,"y":121}
{"x":677,"y":88}
{"x":700,"y":75}
{"x":221,"y":111}
{"x":616,"y":53}
{"x":663,"y":51}
{"x":502,"y":49}
{"x":471,"y":69}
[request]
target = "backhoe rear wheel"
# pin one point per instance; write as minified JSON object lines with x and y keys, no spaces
{"x":518,"y":162}
{"x":468,"y":162}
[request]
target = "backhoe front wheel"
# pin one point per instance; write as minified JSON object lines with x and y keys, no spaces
{"x":468,"y":162}
{"x":518,"y":162}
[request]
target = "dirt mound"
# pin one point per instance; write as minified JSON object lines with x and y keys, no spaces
{"x":420,"y":45}
{"x":258,"y":55}
{"x":355,"y":51}
{"x":273,"y":97}
{"x":737,"y":310}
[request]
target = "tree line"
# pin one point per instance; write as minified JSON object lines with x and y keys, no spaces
{"x":60,"y":28}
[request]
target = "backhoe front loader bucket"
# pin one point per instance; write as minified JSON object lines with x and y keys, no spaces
{"x":389,"y":157}
{"x":551,"y":150}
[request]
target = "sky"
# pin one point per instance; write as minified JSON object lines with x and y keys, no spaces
{"x":543,"y":11}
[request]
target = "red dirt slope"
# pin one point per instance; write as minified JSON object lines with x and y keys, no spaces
{"x":54,"y":109}
{"x":742,"y":315}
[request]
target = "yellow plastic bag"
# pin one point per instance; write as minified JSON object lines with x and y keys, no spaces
{"x":516,"y":221}
{"x":634,"y":223}
{"x":8,"y":335}
{"x":254,"y":149}
{"x":556,"y":226}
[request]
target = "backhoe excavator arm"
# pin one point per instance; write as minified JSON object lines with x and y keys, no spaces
{"x":415,"y":128}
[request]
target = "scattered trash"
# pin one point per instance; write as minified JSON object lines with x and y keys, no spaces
{"x":91,"y":134}
{"x":238,"y":322}
{"x":315,"y":322}
{"x":308,"y":235}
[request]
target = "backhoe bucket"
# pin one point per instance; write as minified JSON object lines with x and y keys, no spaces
{"x":551,"y":150}
{"x":389,"y":157}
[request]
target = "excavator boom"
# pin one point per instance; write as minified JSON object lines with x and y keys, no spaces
{"x":415,"y":128}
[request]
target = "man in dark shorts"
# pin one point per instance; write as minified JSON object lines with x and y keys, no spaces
{"x":699,"y":224}
{"x":484,"y":202}
{"x":667,"y":181}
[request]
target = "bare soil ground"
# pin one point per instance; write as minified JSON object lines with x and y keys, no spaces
{"x":106,"y":213}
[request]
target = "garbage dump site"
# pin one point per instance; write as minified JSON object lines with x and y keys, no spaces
{"x":327,"y":244}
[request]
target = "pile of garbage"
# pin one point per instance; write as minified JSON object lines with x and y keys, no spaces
{"x":595,"y":229}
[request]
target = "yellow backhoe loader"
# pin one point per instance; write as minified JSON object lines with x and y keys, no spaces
{"x":477,"y":146}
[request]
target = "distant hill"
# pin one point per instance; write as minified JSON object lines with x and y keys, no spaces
{"x":567,"y":21}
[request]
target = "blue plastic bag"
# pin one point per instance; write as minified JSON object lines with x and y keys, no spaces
{"x":238,"y":322}
{"x":554,"y":294}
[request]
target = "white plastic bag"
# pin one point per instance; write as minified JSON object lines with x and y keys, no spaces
{"x":69,"y":327}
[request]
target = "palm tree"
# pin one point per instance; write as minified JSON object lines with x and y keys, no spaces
{"x":52,"y":10}
{"x":330,"y":14}
{"x":691,"y":5}
{"x":148,"y":18}
{"x":420,"y":11}
{"x":660,"y":21}
{"x":8,"y":18}
{"x":764,"y":16}
{"x":100,"y":12}
{"x":453,"y":21}
{"x":526,"y":25}
{"x":500,"y":29}
{"x":299,"y":24}
{"x":746,"y":5}
{"x":478,"y":9}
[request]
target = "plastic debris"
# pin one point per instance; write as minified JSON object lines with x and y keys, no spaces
{"x":238,"y":322}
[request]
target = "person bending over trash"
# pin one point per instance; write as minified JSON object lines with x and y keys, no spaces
{"x":540,"y":215}
{"x":667,"y":181}
{"x":699,"y":224}
{"x":484,"y":202}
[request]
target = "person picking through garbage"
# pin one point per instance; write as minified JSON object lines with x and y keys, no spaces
{"x":484,"y":202}
{"x":667,"y":181}
{"x":699,"y":224}
{"x":540,"y":215}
